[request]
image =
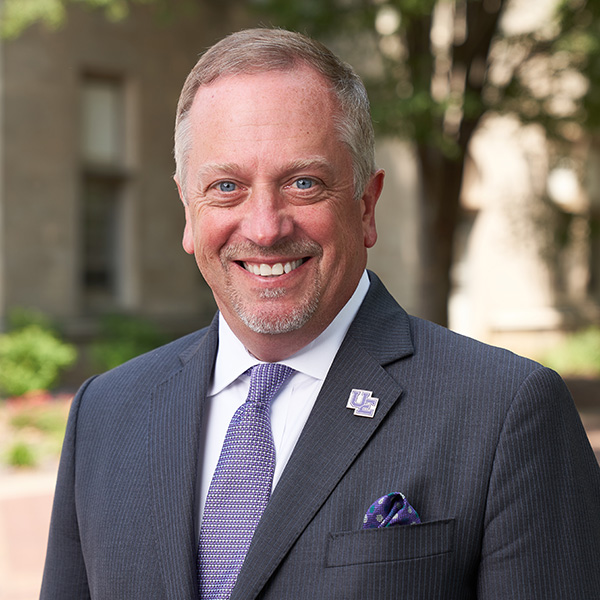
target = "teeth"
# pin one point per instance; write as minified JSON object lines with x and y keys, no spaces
{"x":275,"y":270}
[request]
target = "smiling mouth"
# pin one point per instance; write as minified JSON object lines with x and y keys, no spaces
{"x":265,"y":270}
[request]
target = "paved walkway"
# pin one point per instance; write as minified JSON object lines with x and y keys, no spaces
{"x":25,"y":505}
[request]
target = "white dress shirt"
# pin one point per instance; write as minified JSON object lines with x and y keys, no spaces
{"x":290,"y":407}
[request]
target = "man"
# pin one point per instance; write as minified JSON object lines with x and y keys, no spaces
{"x":274,"y":151}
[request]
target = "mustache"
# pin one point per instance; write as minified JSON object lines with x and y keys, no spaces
{"x":289,"y":248}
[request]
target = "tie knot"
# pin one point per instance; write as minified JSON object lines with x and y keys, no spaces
{"x":266,"y":379}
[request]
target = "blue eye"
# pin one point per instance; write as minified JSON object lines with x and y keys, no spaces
{"x":227,"y":186}
{"x":304,"y":183}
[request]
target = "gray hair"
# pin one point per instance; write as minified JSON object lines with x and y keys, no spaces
{"x":260,"y":50}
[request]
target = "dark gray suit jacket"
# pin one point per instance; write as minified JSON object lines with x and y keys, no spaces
{"x":487,"y":446}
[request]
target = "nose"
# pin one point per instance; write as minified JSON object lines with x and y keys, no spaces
{"x":268,"y":218}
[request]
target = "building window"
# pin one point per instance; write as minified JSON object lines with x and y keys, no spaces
{"x":103,"y":188}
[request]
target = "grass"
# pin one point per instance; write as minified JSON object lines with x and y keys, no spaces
{"x":577,"y":356}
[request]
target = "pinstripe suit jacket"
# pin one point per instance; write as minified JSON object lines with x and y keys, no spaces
{"x":487,"y":446}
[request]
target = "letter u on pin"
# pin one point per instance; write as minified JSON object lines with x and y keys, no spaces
{"x":362,"y":402}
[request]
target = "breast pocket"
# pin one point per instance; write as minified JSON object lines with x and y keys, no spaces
{"x":390,"y":543}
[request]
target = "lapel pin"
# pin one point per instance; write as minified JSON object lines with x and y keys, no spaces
{"x":362,"y":402}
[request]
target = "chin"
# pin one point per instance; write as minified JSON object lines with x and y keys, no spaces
{"x":274,"y":324}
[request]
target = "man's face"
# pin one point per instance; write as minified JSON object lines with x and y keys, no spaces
{"x":270,"y":213}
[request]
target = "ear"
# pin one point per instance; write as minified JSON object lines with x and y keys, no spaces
{"x":368,"y":202}
{"x":188,"y":237}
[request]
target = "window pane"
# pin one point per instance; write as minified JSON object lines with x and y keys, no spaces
{"x":101,"y":200}
{"x":102,"y":122}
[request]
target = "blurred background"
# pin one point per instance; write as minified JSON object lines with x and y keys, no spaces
{"x":488,"y":121}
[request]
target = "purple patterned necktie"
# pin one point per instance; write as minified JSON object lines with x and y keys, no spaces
{"x":241,"y":486}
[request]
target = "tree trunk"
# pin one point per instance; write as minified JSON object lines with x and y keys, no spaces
{"x":441,"y":176}
{"x":441,"y":181}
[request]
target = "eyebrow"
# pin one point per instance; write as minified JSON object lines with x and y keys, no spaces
{"x":209,"y":168}
{"x":232,"y":168}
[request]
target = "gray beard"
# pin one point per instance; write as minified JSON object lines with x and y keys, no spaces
{"x":275,"y":324}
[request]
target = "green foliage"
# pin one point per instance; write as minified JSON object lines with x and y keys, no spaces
{"x":21,"y":454}
{"x":122,"y":338}
{"x":578,"y":355}
{"x":17,"y":15}
{"x":31,"y":358}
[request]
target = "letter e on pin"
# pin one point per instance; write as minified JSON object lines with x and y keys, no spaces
{"x":362,"y":402}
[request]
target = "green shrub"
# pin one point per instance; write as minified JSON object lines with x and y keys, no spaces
{"x":21,"y":454}
{"x":123,"y":337}
{"x":31,"y":359}
{"x":578,"y":355}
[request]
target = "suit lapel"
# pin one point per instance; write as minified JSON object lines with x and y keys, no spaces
{"x":333,"y":436}
{"x":174,"y":426}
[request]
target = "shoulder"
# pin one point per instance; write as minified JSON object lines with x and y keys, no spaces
{"x":461,"y":355}
{"x":435,"y":340}
{"x":478,"y":373}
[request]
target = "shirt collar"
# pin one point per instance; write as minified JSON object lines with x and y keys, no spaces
{"x":314,"y":359}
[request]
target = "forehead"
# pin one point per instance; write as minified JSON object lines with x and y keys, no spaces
{"x":297,"y":97}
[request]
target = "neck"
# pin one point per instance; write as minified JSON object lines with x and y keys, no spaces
{"x":275,"y":347}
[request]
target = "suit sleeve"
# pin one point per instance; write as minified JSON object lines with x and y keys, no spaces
{"x":64,"y":572}
{"x":542,"y":526}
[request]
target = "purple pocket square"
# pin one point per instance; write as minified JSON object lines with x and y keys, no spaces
{"x":391,"y":509}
